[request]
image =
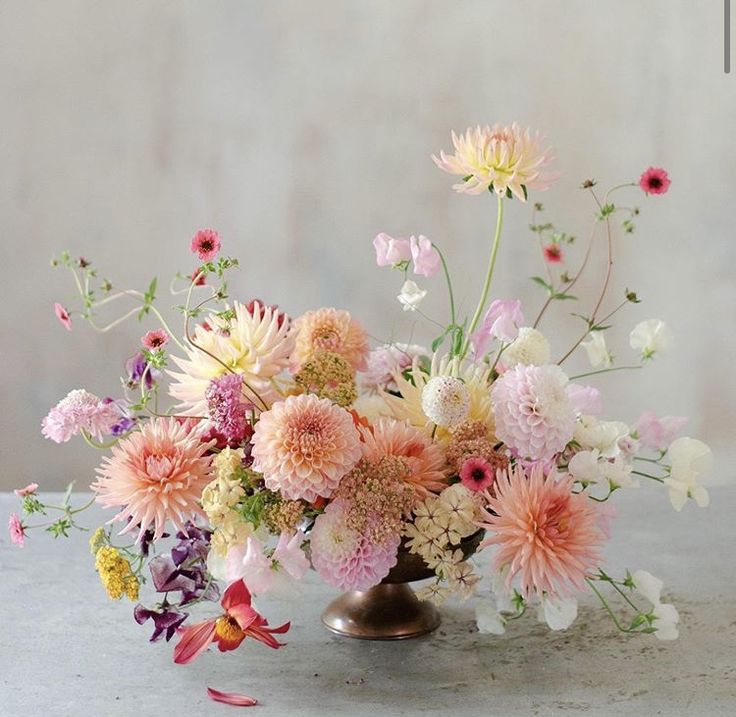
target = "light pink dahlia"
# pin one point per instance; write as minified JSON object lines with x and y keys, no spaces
{"x":343,"y":557}
{"x":545,"y":534}
{"x":330,"y":330}
{"x":304,"y":445}
{"x":155,"y":475}
{"x":534,"y":414}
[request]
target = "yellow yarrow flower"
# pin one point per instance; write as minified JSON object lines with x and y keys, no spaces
{"x":116,"y":573}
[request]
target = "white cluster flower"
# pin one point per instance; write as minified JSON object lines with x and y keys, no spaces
{"x":530,"y":348}
{"x":650,"y":337}
{"x":690,"y":460}
{"x":598,"y":353}
{"x":665,"y":615}
{"x":446,"y":401}
{"x":219,"y":496}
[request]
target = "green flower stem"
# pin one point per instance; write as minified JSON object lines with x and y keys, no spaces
{"x":489,"y":277}
{"x":96,"y":444}
{"x":449,"y":282}
{"x":605,"y":370}
{"x":607,"y":607}
{"x":648,"y":475}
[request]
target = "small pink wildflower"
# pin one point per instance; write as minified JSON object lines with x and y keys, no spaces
{"x":206,"y":244}
{"x":655,"y":181}
{"x":552,"y":253}
{"x":16,"y":530}
{"x":477,"y":474}
{"x":28,"y":490}
{"x":156,"y":339}
{"x":198,"y":277}
{"x":63,"y":315}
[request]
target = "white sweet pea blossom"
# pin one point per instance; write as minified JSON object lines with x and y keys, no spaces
{"x":559,"y":613}
{"x":411,"y":296}
{"x":591,"y":433}
{"x":648,"y":586}
{"x":690,"y":460}
{"x":598,"y":353}
{"x":665,"y":615}
{"x":502,"y":593}
{"x":583,"y":466}
{"x":489,"y":620}
{"x":618,"y":473}
{"x":650,"y":337}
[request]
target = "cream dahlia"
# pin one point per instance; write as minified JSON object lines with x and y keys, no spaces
{"x":388,"y":437}
{"x":303,"y":446}
{"x":534,"y":414}
{"x":346,"y":559}
{"x":545,"y":534}
{"x":155,"y":475}
{"x":329,"y":330}
{"x":506,"y":160}
{"x":255,"y":344}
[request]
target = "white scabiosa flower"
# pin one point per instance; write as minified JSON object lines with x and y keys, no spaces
{"x":530,"y":348}
{"x":690,"y":460}
{"x":445,"y":401}
{"x":411,"y":296}
{"x":598,"y":353}
{"x":650,"y":337}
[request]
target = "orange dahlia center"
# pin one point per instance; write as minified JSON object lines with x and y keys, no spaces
{"x":227,"y":629}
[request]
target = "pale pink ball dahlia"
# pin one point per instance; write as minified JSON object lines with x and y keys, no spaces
{"x":534,"y":414}
{"x":545,"y":534}
{"x":155,"y":475}
{"x":304,"y":445}
{"x":330,"y":330}
{"x":346,"y":559}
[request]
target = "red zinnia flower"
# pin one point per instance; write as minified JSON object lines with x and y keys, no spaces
{"x":240,"y":620}
{"x":206,"y":244}
{"x":552,"y":253}
{"x":655,"y":181}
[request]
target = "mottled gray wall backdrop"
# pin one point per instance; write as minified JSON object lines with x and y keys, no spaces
{"x":301,"y":129}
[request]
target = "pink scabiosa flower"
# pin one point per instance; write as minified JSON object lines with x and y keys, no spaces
{"x":228,"y":407}
{"x":303,"y":446}
{"x":425,"y":257}
{"x":154,"y":340}
{"x":390,"y":251}
{"x":155,"y":475}
{"x":63,"y":315}
{"x":506,"y":160}
{"x":329,"y":330}
{"x":17,"y":530}
{"x":346,"y":559}
{"x":206,"y":244}
{"x":477,"y":474}
{"x":655,"y":181}
{"x":80,"y":411}
{"x":534,"y":414}
{"x":657,"y":433}
{"x":552,"y":253}
{"x":545,"y":534}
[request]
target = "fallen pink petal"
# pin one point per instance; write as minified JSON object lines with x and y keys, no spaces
{"x":231,"y":698}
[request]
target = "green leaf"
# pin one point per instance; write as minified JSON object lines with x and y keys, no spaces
{"x":438,"y":342}
{"x":539,"y":280}
{"x":564,"y":297}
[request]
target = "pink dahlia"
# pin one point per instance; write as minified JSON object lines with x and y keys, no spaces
{"x":477,"y":474}
{"x":389,"y":437}
{"x":655,"y":181}
{"x":153,"y":340}
{"x":80,"y":411}
{"x":330,"y":330}
{"x":16,"y":530}
{"x":155,"y":475}
{"x":206,"y":244}
{"x":303,"y":446}
{"x":534,"y":414}
{"x":545,"y":534}
{"x":346,"y":559}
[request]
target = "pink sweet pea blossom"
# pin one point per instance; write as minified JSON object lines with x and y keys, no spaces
{"x":390,"y":251}
{"x":63,"y":315}
{"x":206,"y":244}
{"x":17,"y":530}
{"x":28,"y":490}
{"x":502,"y":321}
{"x":657,"y":433}
{"x":585,"y":399}
{"x":425,"y":257}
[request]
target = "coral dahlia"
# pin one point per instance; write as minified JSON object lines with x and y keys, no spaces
{"x":330,"y":330}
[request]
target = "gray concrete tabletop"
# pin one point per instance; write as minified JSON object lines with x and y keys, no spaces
{"x":66,"y":650}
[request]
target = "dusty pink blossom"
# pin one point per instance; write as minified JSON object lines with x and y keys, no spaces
{"x":63,"y":315}
{"x":156,"y":339}
{"x":655,"y":181}
{"x":657,"y":433}
{"x":390,"y":251}
{"x":502,"y":321}
{"x":585,"y":399}
{"x":17,"y":530}
{"x":552,"y":253}
{"x":425,"y":257}
{"x":206,"y":244}
{"x":477,"y":474}
{"x":80,"y":411}
{"x":28,"y":490}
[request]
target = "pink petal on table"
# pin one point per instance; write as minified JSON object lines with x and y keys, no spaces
{"x":231,"y":698}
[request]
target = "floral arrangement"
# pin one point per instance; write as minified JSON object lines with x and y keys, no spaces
{"x":293,"y":445}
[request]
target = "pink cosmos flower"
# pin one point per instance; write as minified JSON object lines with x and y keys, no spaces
{"x":206,"y":244}
{"x":545,"y":534}
{"x":240,"y":620}
{"x":28,"y":490}
{"x":477,"y":474}
{"x":502,"y":321}
{"x":657,"y":433}
{"x":552,"y":253}
{"x":426,"y":258}
{"x":63,"y":315}
{"x":17,"y":530}
{"x":390,"y":251}
{"x":156,"y":339}
{"x":655,"y":181}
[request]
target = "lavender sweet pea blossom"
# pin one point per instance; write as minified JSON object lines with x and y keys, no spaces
{"x":502,"y":321}
{"x":166,"y":621}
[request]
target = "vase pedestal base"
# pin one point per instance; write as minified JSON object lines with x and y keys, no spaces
{"x":385,"y":612}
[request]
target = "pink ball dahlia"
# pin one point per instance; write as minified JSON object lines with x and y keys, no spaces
{"x":304,"y":445}
{"x":545,"y":534}
{"x":534,"y":414}
{"x":156,"y":475}
{"x":346,"y":559}
{"x":330,"y":330}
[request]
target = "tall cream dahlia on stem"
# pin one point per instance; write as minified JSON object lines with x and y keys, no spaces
{"x":255,"y":344}
{"x":505,"y":160}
